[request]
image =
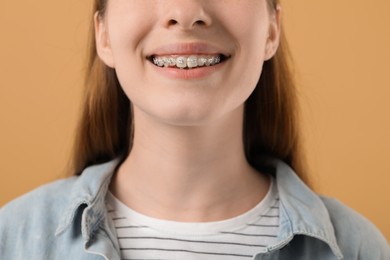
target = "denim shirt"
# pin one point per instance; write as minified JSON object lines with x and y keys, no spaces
{"x":68,"y":219}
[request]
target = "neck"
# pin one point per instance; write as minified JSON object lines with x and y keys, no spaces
{"x":196,"y":173}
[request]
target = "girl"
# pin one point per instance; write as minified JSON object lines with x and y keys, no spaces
{"x":188,"y":148}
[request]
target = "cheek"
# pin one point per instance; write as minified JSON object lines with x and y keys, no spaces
{"x":248,"y":24}
{"x":129,"y":23}
{"x":126,"y":39}
{"x":243,"y":81}
{"x":249,"y":59}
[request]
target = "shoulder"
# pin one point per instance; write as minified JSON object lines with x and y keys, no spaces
{"x":353,"y":231}
{"x":34,"y":215}
{"x":51,"y":194}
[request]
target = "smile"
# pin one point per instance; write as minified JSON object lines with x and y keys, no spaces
{"x":187,"y":61}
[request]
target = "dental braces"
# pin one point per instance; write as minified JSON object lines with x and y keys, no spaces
{"x":190,"y":62}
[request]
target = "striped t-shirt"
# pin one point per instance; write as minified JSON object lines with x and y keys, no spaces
{"x":241,"y":237}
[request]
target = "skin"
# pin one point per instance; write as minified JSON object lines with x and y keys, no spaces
{"x":187,"y":162}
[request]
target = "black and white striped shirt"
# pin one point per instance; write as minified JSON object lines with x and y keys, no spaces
{"x":143,"y":237}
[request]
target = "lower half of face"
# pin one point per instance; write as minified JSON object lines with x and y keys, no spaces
{"x":189,"y":96}
{"x":180,"y":95}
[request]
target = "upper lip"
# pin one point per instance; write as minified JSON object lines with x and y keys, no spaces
{"x":187,"y":49}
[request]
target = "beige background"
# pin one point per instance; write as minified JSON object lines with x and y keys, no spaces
{"x":341,"y":49}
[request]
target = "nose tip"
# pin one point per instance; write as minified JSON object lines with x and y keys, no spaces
{"x":187,"y":15}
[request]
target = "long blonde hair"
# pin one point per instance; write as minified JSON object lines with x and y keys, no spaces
{"x":271,"y":128}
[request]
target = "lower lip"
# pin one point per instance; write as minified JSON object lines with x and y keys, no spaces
{"x":188,"y":74}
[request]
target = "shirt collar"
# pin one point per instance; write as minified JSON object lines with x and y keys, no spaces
{"x":87,"y":198}
{"x":302,"y":211}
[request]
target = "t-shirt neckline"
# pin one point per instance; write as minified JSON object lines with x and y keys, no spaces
{"x":195,"y":228}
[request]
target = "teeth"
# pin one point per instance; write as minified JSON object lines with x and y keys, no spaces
{"x":181,"y":62}
{"x":202,"y":61}
{"x":189,"y":62}
{"x":172,"y":62}
{"x":192,"y":62}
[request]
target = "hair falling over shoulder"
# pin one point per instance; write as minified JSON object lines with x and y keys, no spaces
{"x":271,"y":123}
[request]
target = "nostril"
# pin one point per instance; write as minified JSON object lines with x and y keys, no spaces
{"x":172,"y":22}
{"x":196,"y":23}
{"x":200,"y":22}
